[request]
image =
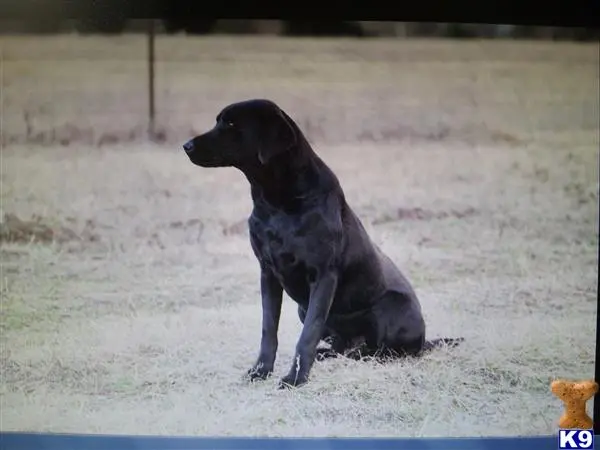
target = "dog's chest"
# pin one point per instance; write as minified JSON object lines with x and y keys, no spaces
{"x":292,"y":246}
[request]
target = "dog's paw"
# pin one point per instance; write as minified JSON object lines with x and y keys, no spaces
{"x":355,"y":354}
{"x":291,"y":381}
{"x":325,"y":353}
{"x":258,"y":372}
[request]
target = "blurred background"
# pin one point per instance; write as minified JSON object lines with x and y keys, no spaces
{"x":200,"y":57}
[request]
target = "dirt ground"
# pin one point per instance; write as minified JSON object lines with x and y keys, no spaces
{"x":130,"y":299}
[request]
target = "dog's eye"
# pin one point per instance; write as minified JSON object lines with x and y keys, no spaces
{"x":230,"y":124}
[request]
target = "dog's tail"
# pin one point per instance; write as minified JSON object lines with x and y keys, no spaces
{"x":442,"y":342}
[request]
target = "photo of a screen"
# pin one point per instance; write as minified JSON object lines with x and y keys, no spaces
{"x":288,"y":229}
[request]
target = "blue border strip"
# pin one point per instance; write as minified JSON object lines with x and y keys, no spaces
{"x":27,"y":441}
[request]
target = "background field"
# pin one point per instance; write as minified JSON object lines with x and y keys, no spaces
{"x":130,"y":298}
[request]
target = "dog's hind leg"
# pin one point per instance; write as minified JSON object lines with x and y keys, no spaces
{"x":400,"y":329}
{"x":399,"y":326}
{"x":325,"y":353}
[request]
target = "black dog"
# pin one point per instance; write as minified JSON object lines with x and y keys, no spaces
{"x":311,"y":244}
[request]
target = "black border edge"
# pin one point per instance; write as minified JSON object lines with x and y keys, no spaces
{"x":572,"y":13}
{"x":596,"y":412}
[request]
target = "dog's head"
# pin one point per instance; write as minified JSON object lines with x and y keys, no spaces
{"x":248,"y":132}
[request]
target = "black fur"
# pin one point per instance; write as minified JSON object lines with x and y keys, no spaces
{"x":309,"y":242}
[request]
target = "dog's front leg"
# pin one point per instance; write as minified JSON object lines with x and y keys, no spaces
{"x":321,"y":297}
{"x":271,"y":294}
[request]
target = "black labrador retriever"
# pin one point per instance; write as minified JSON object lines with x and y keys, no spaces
{"x":310,"y":243}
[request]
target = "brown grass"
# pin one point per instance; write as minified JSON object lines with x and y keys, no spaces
{"x":474,"y":165}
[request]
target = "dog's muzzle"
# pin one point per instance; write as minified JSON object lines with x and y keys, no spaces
{"x":188,"y":146}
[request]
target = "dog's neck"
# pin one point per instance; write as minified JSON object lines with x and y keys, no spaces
{"x":287,"y":181}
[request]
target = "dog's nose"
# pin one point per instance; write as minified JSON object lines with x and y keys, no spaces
{"x":188,"y":146}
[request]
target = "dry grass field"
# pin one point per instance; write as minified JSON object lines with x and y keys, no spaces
{"x":130,"y":299}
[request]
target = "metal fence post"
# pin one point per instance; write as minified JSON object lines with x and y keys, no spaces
{"x":151,"y":106}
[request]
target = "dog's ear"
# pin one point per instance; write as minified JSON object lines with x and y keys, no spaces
{"x":279,"y":136}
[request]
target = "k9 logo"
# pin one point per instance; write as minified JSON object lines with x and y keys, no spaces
{"x":568,"y":439}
